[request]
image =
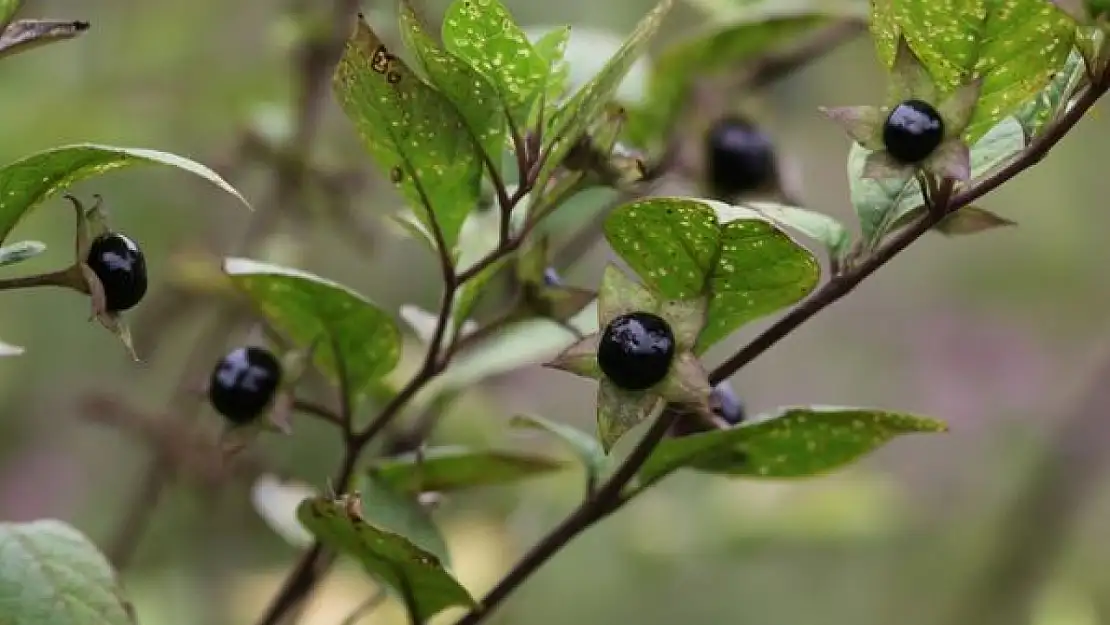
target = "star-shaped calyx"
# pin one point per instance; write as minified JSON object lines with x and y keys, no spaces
{"x":642,"y":356}
{"x":911,"y":132}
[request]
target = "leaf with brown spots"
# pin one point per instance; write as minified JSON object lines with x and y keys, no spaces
{"x":307,"y":307}
{"x":796,"y":442}
{"x":405,"y":124}
{"x":672,"y":243}
{"x":1016,"y":46}
{"x":388,"y":557}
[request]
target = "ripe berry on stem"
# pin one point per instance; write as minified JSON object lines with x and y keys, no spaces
{"x":120,"y":266}
{"x":912,"y":131}
{"x":635,"y":350}
{"x":740,"y":158}
{"x":243,"y":383}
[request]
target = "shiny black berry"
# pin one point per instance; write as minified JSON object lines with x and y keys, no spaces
{"x":636,"y":350}
{"x":739,"y":157}
{"x":120,"y":266}
{"x":912,"y":131}
{"x":726,"y":404}
{"x":243,"y":384}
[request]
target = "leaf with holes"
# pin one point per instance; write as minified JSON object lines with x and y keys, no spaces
{"x":51,"y":574}
{"x":399,"y":512}
{"x":576,"y":116}
{"x":20,"y":251}
{"x":26,"y":183}
{"x":473,"y":95}
{"x":388,"y":557}
{"x":796,"y":442}
{"x":443,"y":469}
{"x":1016,"y":46}
{"x":309,"y":308}
{"x":412,"y":131}
{"x":672,"y":243}
{"x":760,"y":269}
{"x":724,"y":46}
{"x":483,"y":33}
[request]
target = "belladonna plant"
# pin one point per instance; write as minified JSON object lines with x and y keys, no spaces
{"x":915,"y":130}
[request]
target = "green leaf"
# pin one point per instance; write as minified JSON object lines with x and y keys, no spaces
{"x":23,"y":35}
{"x":672,"y":243}
{"x":585,"y":447}
{"x":760,"y":270}
{"x":20,"y":251}
{"x":474,"y":97}
{"x":876,"y":201}
{"x":797,"y":442}
{"x":552,"y":46}
{"x":483,"y":33}
{"x":401,"y":513}
{"x":723,"y":47}
{"x":29,"y":181}
{"x":8,"y":9}
{"x":308,"y":308}
{"x":51,"y":574}
{"x":1014,"y":45}
{"x":388,"y":557}
{"x":10,"y":350}
{"x":412,"y":131}
{"x":443,"y":469}
{"x":576,"y":116}
{"x":1038,"y":111}
{"x":817,"y":226}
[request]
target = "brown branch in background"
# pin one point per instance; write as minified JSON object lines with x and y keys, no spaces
{"x":313,"y":69}
{"x":1035,"y":529}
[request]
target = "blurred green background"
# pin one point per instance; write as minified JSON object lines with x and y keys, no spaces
{"x":997,"y":334}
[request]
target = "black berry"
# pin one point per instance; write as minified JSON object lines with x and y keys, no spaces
{"x":120,"y":266}
{"x":243,"y":383}
{"x":912,"y":131}
{"x":739,"y":157}
{"x":726,"y":404}
{"x":636,"y":350}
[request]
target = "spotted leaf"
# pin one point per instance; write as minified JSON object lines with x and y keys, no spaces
{"x":412,"y":131}
{"x":796,"y":442}
{"x":672,"y":243}
{"x":484,"y":34}
{"x":759,"y":270}
{"x":1015,"y":46}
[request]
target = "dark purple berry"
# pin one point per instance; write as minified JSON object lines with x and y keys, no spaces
{"x":551,"y":277}
{"x":243,"y":383}
{"x":726,"y":404}
{"x":120,"y":266}
{"x":912,"y":131}
{"x":739,"y":157}
{"x":636,"y":350}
